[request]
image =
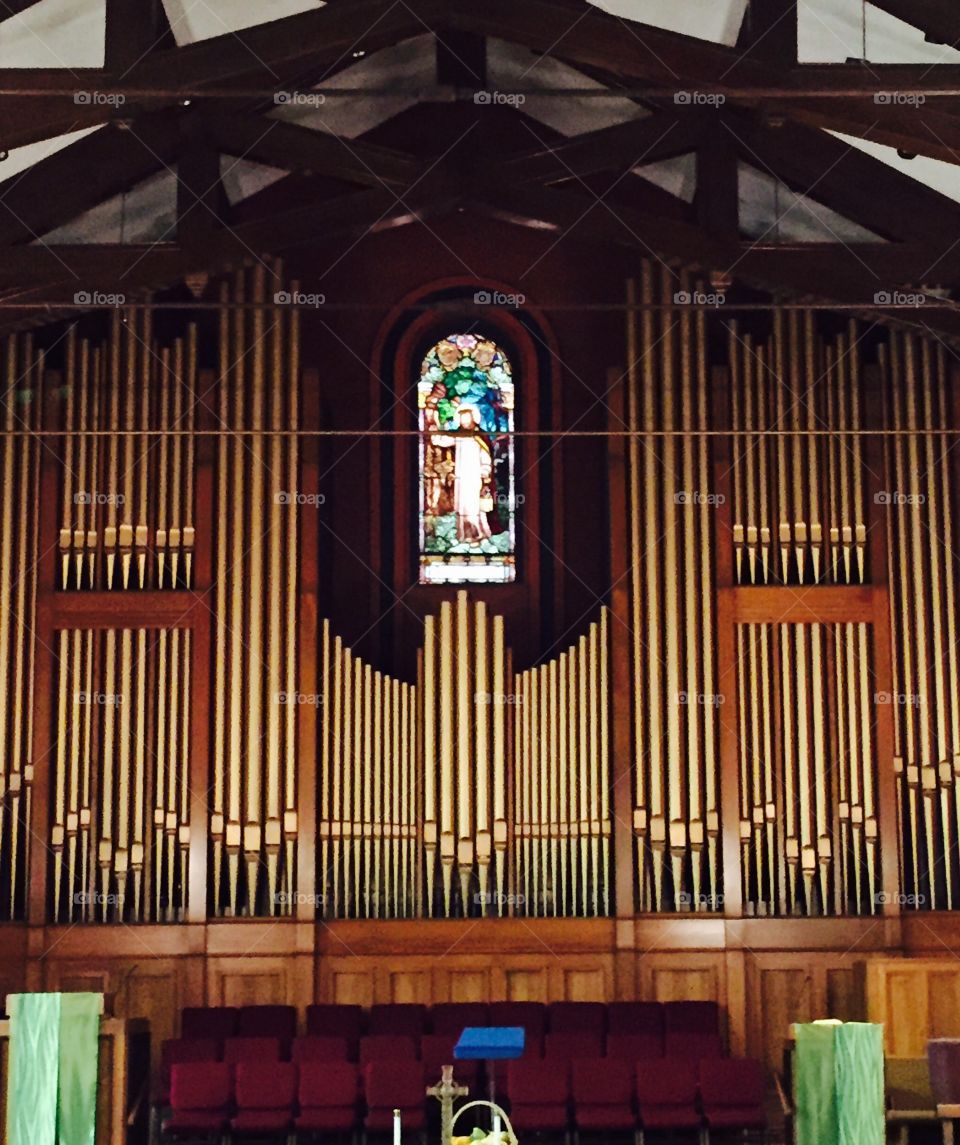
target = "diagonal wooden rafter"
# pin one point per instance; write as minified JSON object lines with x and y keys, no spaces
{"x":294,"y":148}
{"x":939,"y":20}
{"x":662,"y":135}
{"x":83,"y":175}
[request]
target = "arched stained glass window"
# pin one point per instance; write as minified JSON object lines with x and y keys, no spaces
{"x":467,"y":497}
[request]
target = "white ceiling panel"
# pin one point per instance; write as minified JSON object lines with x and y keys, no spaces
{"x":935,"y":173}
{"x":146,"y":213}
{"x":717,"y":20}
{"x":54,"y":34}
{"x":193,"y":20}
{"x":20,"y":158}
{"x":832,"y":31}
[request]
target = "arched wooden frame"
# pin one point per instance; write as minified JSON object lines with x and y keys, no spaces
{"x":399,"y":350}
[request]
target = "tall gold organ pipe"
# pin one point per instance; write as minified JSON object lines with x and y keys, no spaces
{"x":430,"y":756}
{"x":292,"y":552}
{"x":499,"y":677}
{"x":636,"y":601}
{"x":446,"y":710}
{"x":464,"y":764}
{"x":217,"y":818}
{"x":483,"y":711}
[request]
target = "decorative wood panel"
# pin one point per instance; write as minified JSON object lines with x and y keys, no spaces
{"x":916,"y":999}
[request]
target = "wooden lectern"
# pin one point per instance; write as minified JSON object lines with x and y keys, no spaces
{"x":123,"y":1085}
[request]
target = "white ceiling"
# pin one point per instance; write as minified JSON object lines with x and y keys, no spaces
{"x":193,"y":20}
{"x":717,"y":20}
{"x":833,"y":31}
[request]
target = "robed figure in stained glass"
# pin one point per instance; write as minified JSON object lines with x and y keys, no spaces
{"x":465,"y":395}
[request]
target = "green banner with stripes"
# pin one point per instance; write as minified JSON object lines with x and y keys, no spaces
{"x":52,"y":1076}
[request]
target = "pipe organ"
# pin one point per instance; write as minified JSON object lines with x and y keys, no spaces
{"x":475,"y":791}
{"x":23,"y":384}
{"x":127,"y":515}
{"x":782,"y":475}
{"x":919,"y":390}
{"x":253,"y":822}
{"x":808,"y":806}
{"x":798,"y":502}
{"x":120,"y":830}
{"x":675,"y":697}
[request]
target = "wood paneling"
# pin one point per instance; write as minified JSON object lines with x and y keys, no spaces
{"x":916,"y":999}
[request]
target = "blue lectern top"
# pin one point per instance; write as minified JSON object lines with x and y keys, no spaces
{"x":490,"y":1043}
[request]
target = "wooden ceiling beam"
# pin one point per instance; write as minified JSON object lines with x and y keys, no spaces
{"x":863,"y":189}
{"x":662,"y":135}
{"x":83,"y":175}
{"x":939,"y":20}
{"x":294,"y":148}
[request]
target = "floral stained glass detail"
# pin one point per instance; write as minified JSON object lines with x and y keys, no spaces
{"x":467,"y":497}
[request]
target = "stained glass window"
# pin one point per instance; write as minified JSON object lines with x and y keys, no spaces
{"x":467,"y":496}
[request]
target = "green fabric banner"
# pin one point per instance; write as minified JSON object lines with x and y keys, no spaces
{"x":52,"y":1076}
{"x":859,"y":1069}
{"x":815,"y":1090}
{"x":32,"y":1071}
{"x":838,"y":1084}
{"x":79,"y":1050}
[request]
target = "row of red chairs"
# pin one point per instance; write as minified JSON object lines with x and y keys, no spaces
{"x":435,"y":1050}
{"x":258,"y":1098}
{"x":415,"y":1020}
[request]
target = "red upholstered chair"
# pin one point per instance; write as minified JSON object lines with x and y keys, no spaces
{"x":327,"y":1096}
{"x":603,"y":1095}
{"x":566,"y":1047}
{"x":635,"y":1018}
{"x":454,"y":1017}
{"x":634,"y":1047}
{"x":691,"y":1017}
{"x":577,"y":1018}
{"x":265,"y":1094}
{"x":199,"y":1100}
{"x":268,"y":1022}
{"x":387,"y":1047}
{"x":539,"y":1094}
{"x":317,"y":1049}
{"x":406,"y":1018}
{"x":177,"y":1050}
{"x":337,"y":1021}
{"x":219,"y":1022}
{"x":732,"y":1094}
{"x":236,"y":1050}
{"x":667,"y":1095}
{"x":436,"y":1051}
{"x":531,"y":1015}
{"x":693,"y":1047}
{"x":390,"y":1085}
